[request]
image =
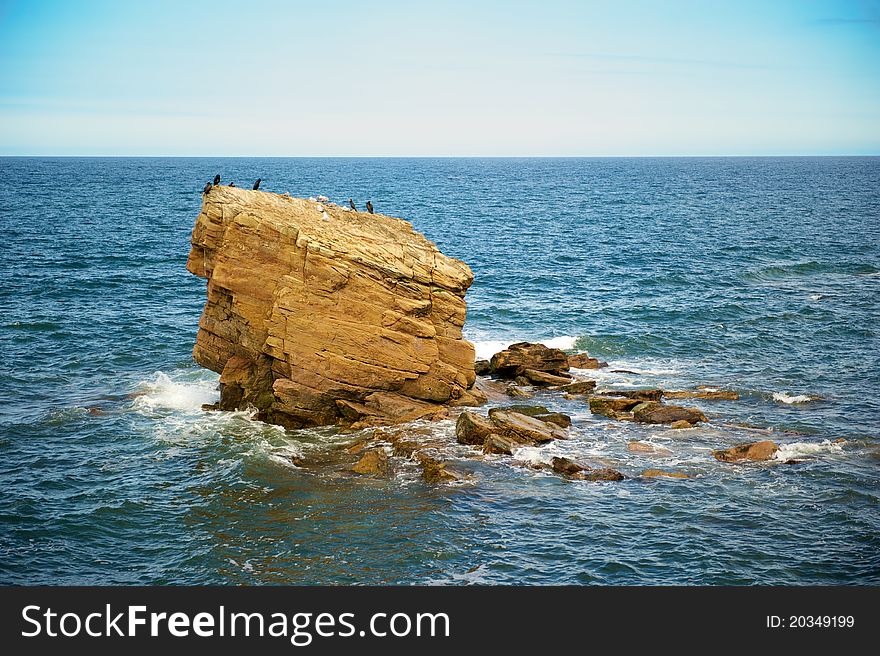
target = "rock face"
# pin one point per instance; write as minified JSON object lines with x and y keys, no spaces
{"x":318,"y":315}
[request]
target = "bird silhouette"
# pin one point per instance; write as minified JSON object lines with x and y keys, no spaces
{"x":257,"y":184}
{"x":351,"y":205}
{"x":207,"y":188}
{"x":217,"y":179}
{"x":369,"y":207}
{"x":231,"y":184}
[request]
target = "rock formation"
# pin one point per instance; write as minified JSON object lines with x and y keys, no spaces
{"x":320,"y":315}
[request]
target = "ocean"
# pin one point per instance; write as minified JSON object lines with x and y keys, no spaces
{"x":760,"y":275}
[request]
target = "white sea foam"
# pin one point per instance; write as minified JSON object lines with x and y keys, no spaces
{"x":163,"y":393}
{"x":785,"y":397}
{"x":486,"y":348}
{"x":801,"y":449}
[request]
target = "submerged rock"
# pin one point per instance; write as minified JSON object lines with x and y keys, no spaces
{"x":584,"y":361}
{"x":373,"y":463}
{"x":659,"y":473}
{"x":681,"y":424}
{"x":530,"y":410}
{"x":638,"y":394}
{"x":340,"y":317}
{"x":577,"y":471}
{"x":435,"y":471}
{"x":713,"y":395}
{"x":755,"y":451}
{"x":646,"y":447}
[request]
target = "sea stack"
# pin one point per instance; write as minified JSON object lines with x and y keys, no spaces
{"x":316,"y":322}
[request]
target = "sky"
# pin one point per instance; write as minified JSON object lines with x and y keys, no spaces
{"x":450,"y":78}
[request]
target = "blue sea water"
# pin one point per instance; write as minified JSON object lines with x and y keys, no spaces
{"x":759,"y":275}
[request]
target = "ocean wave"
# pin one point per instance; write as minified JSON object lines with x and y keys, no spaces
{"x":486,"y":348}
{"x":790,"y":399}
{"x":164,"y":393}
{"x":802,"y":449}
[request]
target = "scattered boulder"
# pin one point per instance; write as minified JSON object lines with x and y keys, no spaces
{"x":517,"y":392}
{"x":646,"y":447}
{"x":472,"y":428}
{"x":611,"y":407}
{"x":530,"y":410}
{"x":584,"y":361}
{"x":373,"y":463}
{"x":513,"y":360}
{"x":500,"y":444}
{"x":557,"y":418}
{"x":652,"y":412}
{"x":523,"y":428}
{"x":297,"y":461}
{"x":658,"y":473}
{"x":566,"y":466}
{"x":482,"y":368}
{"x":625,"y":371}
{"x":580,"y":387}
{"x":638,"y":394}
{"x":680,"y":424}
{"x":713,"y":395}
{"x":755,"y":451}
{"x":603,"y":474}
{"x":544,"y":379}
{"x":435,"y":471}
{"x":95,"y":411}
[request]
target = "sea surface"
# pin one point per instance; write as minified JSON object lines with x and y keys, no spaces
{"x":757,"y":275}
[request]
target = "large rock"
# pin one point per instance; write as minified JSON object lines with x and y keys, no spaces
{"x":523,"y":428}
{"x":756,"y":451}
{"x":472,"y":428}
{"x":651,"y":412}
{"x":516,"y":358}
{"x":310,"y":304}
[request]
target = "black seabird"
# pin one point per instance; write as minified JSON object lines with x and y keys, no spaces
{"x":207,"y":188}
{"x":369,"y":207}
{"x":351,"y":205}
{"x":231,"y":184}
{"x":257,"y":184}
{"x":217,"y":179}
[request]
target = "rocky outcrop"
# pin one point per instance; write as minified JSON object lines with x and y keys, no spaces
{"x":525,"y":429}
{"x":522,"y":356}
{"x":320,"y":315}
{"x":754,"y":451}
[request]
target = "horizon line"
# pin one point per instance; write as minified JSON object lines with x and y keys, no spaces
{"x":715,"y":156}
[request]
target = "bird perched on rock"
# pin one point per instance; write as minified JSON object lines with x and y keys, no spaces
{"x":257,"y":184}
{"x":351,"y":205}
{"x":231,"y":184}
{"x":207,"y":188}
{"x":217,"y":179}
{"x":369,"y":207}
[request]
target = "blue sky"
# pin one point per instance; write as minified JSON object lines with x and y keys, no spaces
{"x":335,"y":77}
